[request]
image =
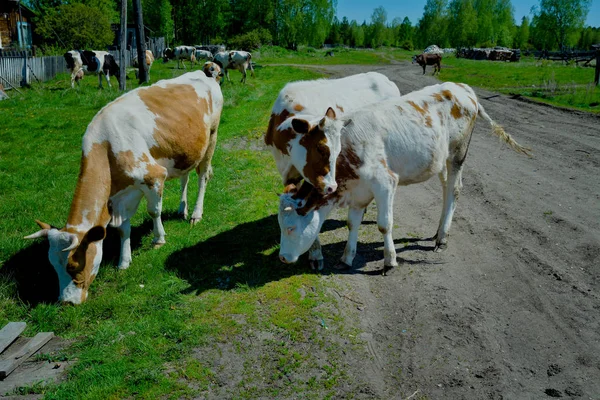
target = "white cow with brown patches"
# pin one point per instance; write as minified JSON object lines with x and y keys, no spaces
{"x":131,"y":147}
{"x":302,"y":153}
{"x":397,"y":142}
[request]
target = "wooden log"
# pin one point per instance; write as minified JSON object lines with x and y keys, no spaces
{"x":17,"y":357}
{"x":9,"y":333}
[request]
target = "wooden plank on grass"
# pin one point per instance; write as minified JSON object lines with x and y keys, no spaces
{"x":9,"y":333}
{"x":15,"y":358}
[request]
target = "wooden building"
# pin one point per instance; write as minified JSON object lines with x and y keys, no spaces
{"x":15,"y":31}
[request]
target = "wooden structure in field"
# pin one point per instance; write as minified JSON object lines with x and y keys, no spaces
{"x":16,"y":29}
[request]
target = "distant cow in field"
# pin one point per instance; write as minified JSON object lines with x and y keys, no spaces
{"x":429,"y":59}
{"x":399,"y":141}
{"x":237,"y":59}
{"x":181,"y":53}
{"x":149,"y":61}
{"x":91,"y":62}
{"x":131,"y":147}
{"x":299,"y":154}
{"x":203,"y":55}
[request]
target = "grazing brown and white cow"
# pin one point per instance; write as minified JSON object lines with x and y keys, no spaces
{"x":91,"y":62}
{"x":395,"y":142}
{"x":131,"y":147}
{"x":181,"y":53}
{"x":299,"y":154}
{"x":212,"y":70}
{"x":429,"y":59}
{"x":237,"y":59}
{"x":149,"y":61}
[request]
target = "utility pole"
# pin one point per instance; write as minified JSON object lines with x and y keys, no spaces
{"x":123,"y":45}
{"x":24,"y":81}
{"x":597,"y":73}
{"x":141,"y":40}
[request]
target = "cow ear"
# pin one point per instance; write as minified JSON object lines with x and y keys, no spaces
{"x":95,"y":234}
{"x":300,"y":125}
{"x":43,"y":225}
{"x":330,"y":113}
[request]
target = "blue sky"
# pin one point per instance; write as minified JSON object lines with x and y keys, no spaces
{"x":413,"y":9}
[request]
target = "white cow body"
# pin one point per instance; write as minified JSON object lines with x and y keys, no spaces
{"x":396,"y":142}
{"x":203,"y":55}
{"x":237,"y":59}
{"x":310,"y":100}
{"x":130,"y":148}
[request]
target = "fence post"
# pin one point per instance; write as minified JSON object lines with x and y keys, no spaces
{"x":122,"y":45}
{"x":141,"y":40}
{"x":597,"y":74}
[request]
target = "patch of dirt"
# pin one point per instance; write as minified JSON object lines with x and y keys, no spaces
{"x":512,"y":308}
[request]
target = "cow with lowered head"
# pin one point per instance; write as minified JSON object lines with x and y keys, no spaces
{"x":131,"y":147}
{"x":91,"y":62}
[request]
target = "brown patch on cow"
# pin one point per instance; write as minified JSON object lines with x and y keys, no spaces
{"x":438,"y":97}
{"x":382,"y":229}
{"x":441,"y":115}
{"x":317,"y":156}
{"x":462,"y":85}
{"x":428,"y":122}
{"x":340,"y":108}
{"x":180,"y":132}
{"x":279,"y":138}
{"x":418,"y":108}
{"x":473,"y":101}
{"x":93,"y":183}
{"x":298,"y":107}
{"x":456,"y":111}
{"x":447,"y":94}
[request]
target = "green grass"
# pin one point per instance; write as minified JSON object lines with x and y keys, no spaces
{"x":135,"y":335}
{"x":547,"y":81}
{"x":312,"y":56}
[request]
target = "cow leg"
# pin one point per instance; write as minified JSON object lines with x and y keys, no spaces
{"x":424,"y":69}
{"x":107,"y":76}
{"x":153,"y":186}
{"x":183,"y":205}
{"x":315,"y":256}
{"x":100,"y":81}
{"x":452,"y":191}
{"x":243,"y":71}
{"x":205,"y":172}
{"x":384,"y":196}
{"x":355,"y":216}
{"x":123,"y":206}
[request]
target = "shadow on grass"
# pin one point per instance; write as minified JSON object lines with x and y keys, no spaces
{"x":35,"y":278}
{"x":247,"y":257}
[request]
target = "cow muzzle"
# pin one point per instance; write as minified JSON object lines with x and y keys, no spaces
{"x":287,"y":258}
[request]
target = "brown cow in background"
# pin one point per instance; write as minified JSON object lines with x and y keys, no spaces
{"x":429,"y":59}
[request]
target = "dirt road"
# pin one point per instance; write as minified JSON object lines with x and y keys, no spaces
{"x":511,"y":310}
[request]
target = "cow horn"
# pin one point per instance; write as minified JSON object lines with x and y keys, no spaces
{"x":288,"y":208}
{"x":74,"y":243}
{"x":38,"y":234}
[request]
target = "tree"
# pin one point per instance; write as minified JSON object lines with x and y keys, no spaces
{"x":378,"y":21}
{"x":431,"y":28}
{"x":462,"y":23}
{"x":76,"y":26}
{"x":522,"y":37}
{"x":560,"y":18}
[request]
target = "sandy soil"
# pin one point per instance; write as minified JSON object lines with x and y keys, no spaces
{"x":511,"y":310}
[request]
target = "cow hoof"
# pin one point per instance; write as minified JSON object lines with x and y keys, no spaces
{"x":194,"y":221}
{"x":317,"y":265}
{"x":439,"y":247}
{"x":123,"y":265}
{"x":183,"y":213}
{"x":157,"y":244}
{"x":341,"y":266}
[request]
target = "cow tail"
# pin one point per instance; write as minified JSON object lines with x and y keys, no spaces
{"x":505,"y":137}
{"x":250,"y":63}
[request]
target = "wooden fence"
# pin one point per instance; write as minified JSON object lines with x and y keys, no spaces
{"x":19,"y":68}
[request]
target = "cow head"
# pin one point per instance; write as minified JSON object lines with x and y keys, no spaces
{"x":298,"y":232}
{"x":71,"y":57}
{"x":418,"y":59}
{"x":75,"y":257}
{"x":314,"y":149}
{"x":168,"y":54}
{"x":212,"y":70}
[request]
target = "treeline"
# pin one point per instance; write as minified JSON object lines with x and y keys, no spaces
{"x":247,"y":24}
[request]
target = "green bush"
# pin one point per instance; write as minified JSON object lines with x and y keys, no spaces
{"x":251,"y":40}
{"x":76,"y":26}
{"x":407,"y":45}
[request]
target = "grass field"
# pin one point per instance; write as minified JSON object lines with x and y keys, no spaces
{"x":136,"y":334}
{"x":546,"y":81}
